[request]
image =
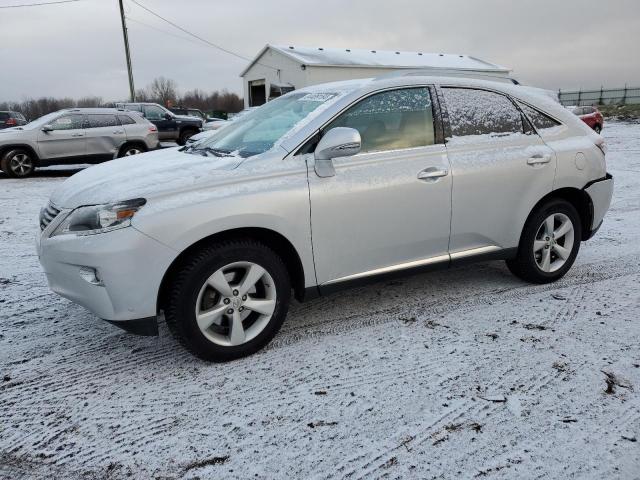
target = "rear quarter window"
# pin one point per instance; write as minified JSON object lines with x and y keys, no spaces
{"x":126,"y":120}
{"x":540,"y":120}
{"x":479,"y":112}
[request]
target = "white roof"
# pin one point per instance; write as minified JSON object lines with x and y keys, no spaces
{"x":351,"y":57}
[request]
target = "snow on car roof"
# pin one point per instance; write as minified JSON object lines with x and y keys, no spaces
{"x":354,"y":57}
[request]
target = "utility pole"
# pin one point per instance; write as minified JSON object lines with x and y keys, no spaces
{"x":132,"y":89}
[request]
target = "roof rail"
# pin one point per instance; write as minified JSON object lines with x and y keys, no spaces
{"x":447,"y":72}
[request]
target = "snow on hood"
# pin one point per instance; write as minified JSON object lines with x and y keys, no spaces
{"x":145,"y":175}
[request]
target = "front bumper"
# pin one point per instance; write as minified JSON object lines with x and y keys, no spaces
{"x":600,"y":192}
{"x":129,"y":268}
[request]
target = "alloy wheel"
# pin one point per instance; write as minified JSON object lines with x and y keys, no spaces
{"x":132,"y":151}
{"x":554,"y":242}
{"x":21,"y":164}
{"x":235,"y":303}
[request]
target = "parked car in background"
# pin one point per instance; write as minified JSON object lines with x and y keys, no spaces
{"x":171,"y":127}
{"x":200,"y":136}
{"x":591,"y":116}
{"x":195,"y":112}
{"x":215,"y":125}
{"x":11,"y":119}
{"x":324,"y":188}
{"x":71,"y":136}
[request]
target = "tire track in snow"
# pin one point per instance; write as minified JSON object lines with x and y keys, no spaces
{"x":583,"y":275}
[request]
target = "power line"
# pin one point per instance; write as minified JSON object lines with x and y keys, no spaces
{"x":38,"y":4}
{"x":135,"y":20}
{"x":225,"y":50}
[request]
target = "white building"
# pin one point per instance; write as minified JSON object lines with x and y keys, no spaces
{"x":279,"y":69}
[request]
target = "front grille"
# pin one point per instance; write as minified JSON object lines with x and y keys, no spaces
{"x":47,"y":214}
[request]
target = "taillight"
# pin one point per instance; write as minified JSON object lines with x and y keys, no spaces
{"x":153,"y":128}
{"x":11,"y":121}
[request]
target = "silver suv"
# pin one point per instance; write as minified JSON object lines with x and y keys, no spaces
{"x":77,"y":135}
{"x":321,"y":189}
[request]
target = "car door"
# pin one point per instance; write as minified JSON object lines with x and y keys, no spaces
{"x":104,"y":135}
{"x":167,"y":128}
{"x":63,"y":138}
{"x":501,"y":169}
{"x":388,"y":207}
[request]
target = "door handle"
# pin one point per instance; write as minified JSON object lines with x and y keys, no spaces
{"x":77,"y":134}
{"x":539,"y":159}
{"x":432,"y":173}
{"x":117,"y":132}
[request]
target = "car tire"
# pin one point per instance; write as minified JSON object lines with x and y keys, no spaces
{"x":548,"y":245}
{"x":228,"y":300}
{"x":130,"y":149}
{"x":18,"y":163}
{"x":186,"y":135}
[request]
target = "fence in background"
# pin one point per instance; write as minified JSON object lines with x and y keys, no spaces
{"x":601,"y":96}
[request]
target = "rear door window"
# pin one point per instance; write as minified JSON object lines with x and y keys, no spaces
{"x":99,"y":121}
{"x":391,"y":120}
{"x":481,"y":113}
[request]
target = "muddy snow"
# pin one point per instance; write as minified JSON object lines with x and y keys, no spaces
{"x":458,"y":374}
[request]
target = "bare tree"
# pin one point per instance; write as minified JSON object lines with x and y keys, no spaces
{"x":163,"y":90}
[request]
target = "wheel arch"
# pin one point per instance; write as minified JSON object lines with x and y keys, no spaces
{"x":7,"y":148}
{"x":272,"y":239}
{"x":576,"y":197}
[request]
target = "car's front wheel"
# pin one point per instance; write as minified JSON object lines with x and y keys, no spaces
{"x":228,"y":300}
{"x":549,"y":244}
{"x":18,"y":163}
{"x":186,"y":135}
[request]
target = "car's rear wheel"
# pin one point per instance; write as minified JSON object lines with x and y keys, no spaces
{"x":18,"y":163}
{"x":549,"y":244}
{"x":228,"y":300}
{"x":131,"y":149}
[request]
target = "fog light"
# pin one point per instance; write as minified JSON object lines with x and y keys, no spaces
{"x":90,"y":275}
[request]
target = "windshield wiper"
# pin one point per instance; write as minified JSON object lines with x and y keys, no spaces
{"x":218,"y":152}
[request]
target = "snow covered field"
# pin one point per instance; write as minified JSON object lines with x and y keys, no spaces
{"x":458,"y":374}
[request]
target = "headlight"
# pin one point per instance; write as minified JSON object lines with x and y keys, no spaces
{"x":99,"y":218}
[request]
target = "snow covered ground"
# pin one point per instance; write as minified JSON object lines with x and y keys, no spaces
{"x":458,"y":374}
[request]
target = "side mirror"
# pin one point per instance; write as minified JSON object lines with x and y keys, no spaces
{"x":168,"y":116}
{"x":47,"y":128}
{"x":337,"y":142}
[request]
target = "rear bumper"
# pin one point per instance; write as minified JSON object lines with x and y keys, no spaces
{"x":600,"y":192}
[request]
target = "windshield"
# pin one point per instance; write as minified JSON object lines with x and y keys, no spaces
{"x":259,"y":130}
{"x":48,"y":118}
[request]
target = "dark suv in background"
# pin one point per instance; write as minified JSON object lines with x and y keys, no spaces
{"x":171,"y":127}
{"x":11,"y":119}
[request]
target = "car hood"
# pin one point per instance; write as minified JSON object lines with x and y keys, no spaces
{"x":188,"y":118}
{"x":146,"y":175}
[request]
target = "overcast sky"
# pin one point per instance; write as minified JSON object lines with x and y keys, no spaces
{"x":76,"y":49}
